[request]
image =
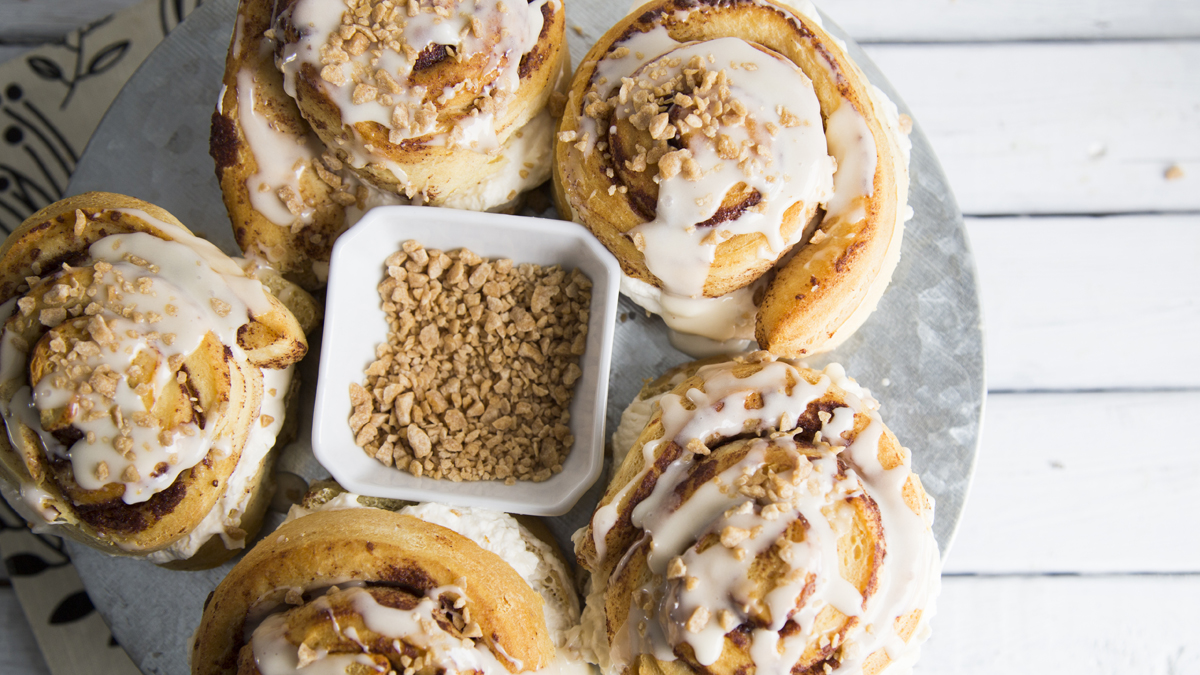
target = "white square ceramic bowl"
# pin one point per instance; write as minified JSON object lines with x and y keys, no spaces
{"x":355,"y":324}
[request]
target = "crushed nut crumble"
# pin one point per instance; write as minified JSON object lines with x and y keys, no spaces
{"x":477,"y":375}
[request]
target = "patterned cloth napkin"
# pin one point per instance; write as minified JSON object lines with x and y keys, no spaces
{"x":51,"y":100}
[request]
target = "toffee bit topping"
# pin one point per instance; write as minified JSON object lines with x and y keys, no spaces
{"x":292,"y":200}
{"x":305,"y":655}
{"x":130,"y":475}
{"x":639,"y":241}
{"x":475,"y":347}
{"x":81,"y":225}
{"x":727,"y":620}
{"x":221,"y":307}
{"x":57,"y":295}
{"x":101,"y":471}
{"x":364,"y":93}
{"x":53,"y":316}
{"x":676,"y":569}
{"x":334,"y":75}
{"x":732,"y":536}
{"x":100,"y":330}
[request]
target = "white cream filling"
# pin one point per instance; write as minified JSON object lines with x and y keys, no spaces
{"x":523,"y":163}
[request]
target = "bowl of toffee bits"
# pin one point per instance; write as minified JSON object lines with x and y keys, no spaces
{"x":465,"y":359}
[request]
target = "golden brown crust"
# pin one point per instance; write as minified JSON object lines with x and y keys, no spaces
{"x":211,"y":387}
{"x":815,"y":292}
{"x":291,"y":250}
{"x":891,"y":453}
{"x":329,"y":188}
{"x":623,"y":568}
{"x":382,"y":549}
{"x":432,"y":167}
{"x":48,"y":238}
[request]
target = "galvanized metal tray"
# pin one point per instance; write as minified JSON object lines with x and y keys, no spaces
{"x":921,"y":352}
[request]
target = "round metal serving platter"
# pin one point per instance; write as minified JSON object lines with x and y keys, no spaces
{"x":921,"y":352}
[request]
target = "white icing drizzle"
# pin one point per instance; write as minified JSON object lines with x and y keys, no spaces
{"x":851,"y":142}
{"x":908,"y":576}
{"x":225,"y":518}
{"x":184,"y":287}
{"x":684,"y":264}
{"x":522,"y":163}
{"x":40,"y":501}
{"x":418,"y":626}
{"x":281,"y":158}
{"x":794,"y":167}
{"x":508,"y":30}
{"x":727,"y":318}
{"x":528,"y":555}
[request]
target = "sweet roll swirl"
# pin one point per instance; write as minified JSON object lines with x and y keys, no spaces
{"x":713,"y":146}
{"x":348,"y":588}
{"x":766,"y":521}
{"x":143,"y":375}
{"x":332,"y":107}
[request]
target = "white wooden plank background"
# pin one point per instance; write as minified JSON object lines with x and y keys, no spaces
{"x":1063,"y":128}
{"x":1084,"y":483}
{"x":867,"y":20}
{"x":1108,"y":625}
{"x":1087,"y":484}
{"x":982,"y":20}
{"x":1090,"y":303}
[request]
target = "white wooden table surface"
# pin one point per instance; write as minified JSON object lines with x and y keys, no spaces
{"x":1070,"y":131}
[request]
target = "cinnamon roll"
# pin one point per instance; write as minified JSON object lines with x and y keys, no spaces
{"x":333,"y":106}
{"x":749,"y":178}
{"x":143,"y":381}
{"x":426,"y":589}
{"x":765,"y":520}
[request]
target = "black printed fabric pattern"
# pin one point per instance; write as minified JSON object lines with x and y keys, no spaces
{"x":45,"y":121}
{"x":41,"y":110}
{"x":29,"y":134}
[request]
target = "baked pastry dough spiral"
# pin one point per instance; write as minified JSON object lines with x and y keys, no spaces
{"x":143,"y":378}
{"x":432,"y":588}
{"x":749,"y":178}
{"x":333,"y":106}
{"x":765,"y":520}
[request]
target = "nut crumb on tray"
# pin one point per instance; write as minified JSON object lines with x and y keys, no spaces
{"x":476,"y":377}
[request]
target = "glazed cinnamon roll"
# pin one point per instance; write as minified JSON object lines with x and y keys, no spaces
{"x":143,"y":381}
{"x":333,"y":106}
{"x":427,"y":589}
{"x":765,"y":520}
{"x":749,"y":178}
